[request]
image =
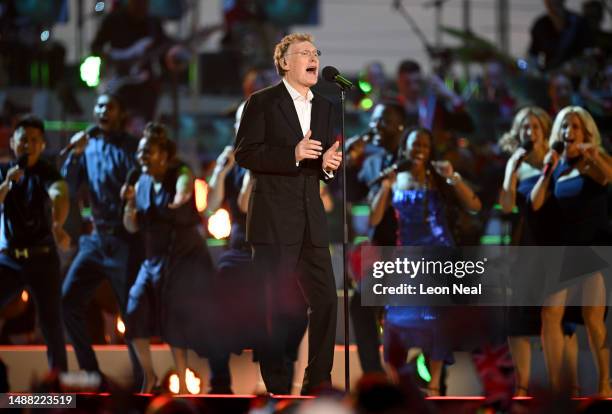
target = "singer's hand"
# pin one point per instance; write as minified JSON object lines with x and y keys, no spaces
{"x":588,"y":151}
{"x":332,"y":158}
{"x":226,"y":160}
{"x":389,"y":180}
{"x":14,"y":174}
{"x":516,"y":158}
{"x":308,"y":148}
{"x":551,"y":159}
{"x":444,"y":168}
{"x":128,"y":193}
{"x":78,"y":142}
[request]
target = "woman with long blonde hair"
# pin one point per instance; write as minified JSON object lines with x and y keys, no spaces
{"x":577,"y":181}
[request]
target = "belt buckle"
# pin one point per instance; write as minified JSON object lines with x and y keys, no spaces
{"x":19,"y":253}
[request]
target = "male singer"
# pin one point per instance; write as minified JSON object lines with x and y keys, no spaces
{"x":285,"y":139}
{"x":100,"y":158}
{"x":34,"y":200}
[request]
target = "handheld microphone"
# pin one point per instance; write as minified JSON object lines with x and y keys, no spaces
{"x":133,"y":176}
{"x":527,"y":146}
{"x":403,"y":165}
{"x":92,"y":130}
{"x":558,"y":147}
{"x":22,"y":161}
{"x":331,"y":74}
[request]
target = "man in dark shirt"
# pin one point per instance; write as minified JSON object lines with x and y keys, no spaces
{"x":35,"y":205}
{"x":101,"y":159}
{"x":388,"y":121}
{"x":557,"y":36}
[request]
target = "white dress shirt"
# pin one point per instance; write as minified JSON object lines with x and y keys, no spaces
{"x":303,"y":107}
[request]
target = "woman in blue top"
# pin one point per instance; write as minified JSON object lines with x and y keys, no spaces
{"x":169,"y":295}
{"x":527,"y":141}
{"x":578,"y":184}
{"x":422,"y":198}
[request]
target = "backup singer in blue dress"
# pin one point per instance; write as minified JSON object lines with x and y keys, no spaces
{"x":422,"y":198}
{"x":578,"y":184}
{"x":169,"y":295}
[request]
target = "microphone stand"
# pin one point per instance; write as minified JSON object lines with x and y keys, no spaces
{"x":345,"y":278}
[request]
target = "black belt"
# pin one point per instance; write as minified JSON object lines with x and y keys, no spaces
{"x":27,"y":252}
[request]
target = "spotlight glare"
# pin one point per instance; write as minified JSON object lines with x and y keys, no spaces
{"x":90,"y":71}
{"x":219,"y":224}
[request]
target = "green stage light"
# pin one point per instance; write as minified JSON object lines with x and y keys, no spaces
{"x":365,"y":86}
{"x":90,"y":71}
{"x":422,"y":368}
{"x":366,"y":104}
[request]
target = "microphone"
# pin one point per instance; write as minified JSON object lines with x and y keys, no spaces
{"x":331,"y":74}
{"x":22,"y":161}
{"x":558,"y":147}
{"x":133,"y":176}
{"x":92,"y":130}
{"x":527,"y":146}
{"x":403,"y":165}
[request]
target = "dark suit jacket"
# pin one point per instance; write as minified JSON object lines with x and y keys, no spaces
{"x":285,"y":198}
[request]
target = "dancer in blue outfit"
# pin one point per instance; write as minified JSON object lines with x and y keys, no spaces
{"x":169,"y":295}
{"x":422,"y":198}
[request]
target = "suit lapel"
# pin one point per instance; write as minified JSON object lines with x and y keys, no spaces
{"x":288,"y":109}
{"x":315,"y":115}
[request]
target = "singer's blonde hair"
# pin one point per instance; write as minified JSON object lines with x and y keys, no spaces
{"x":589,"y":127}
{"x":510,"y":141}
{"x":281,"y":48}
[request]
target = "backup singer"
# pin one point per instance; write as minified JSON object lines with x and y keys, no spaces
{"x":169,"y":296}
{"x":422,"y":198}
{"x":101,"y":160}
{"x":530,"y":128}
{"x":34,"y":198}
{"x":578,"y":184}
{"x":285,"y":139}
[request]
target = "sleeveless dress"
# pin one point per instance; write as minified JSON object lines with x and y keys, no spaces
{"x":169,"y":297}
{"x":421,"y":222}
{"x":583,"y":214}
{"x":536,"y":228}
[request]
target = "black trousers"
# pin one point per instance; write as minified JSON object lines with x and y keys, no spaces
{"x":365,"y":325}
{"x":291,"y":271}
{"x":99,"y":257}
{"x":41,"y":273}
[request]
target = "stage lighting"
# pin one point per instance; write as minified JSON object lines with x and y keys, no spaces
{"x":422,"y":368}
{"x":201,"y":193}
{"x":366,"y":104}
{"x":120,"y":325}
{"x":219,"y":224}
{"x":90,"y":71}
{"x":364,"y":86}
{"x":44,"y":35}
{"x":192,"y":382}
{"x":25,"y":296}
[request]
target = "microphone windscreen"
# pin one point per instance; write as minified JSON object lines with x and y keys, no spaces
{"x":22,"y":161}
{"x":527,"y":145}
{"x":404,"y":165}
{"x":329,"y":73}
{"x":93,"y":130}
{"x":558,"y":146}
{"x":133,"y":176}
